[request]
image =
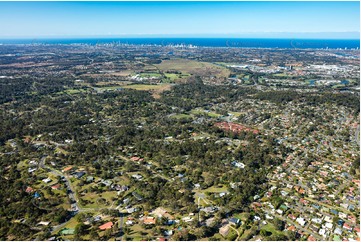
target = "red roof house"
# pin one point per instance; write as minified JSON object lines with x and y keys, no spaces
{"x":149,"y":220}
{"x":29,"y":190}
{"x":105,"y":226}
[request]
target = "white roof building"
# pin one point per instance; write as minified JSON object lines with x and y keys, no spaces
{"x":47,"y":180}
{"x":329,"y":225}
{"x":129,"y":222}
{"x":301,"y":221}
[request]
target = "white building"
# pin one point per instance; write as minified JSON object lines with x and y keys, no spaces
{"x":301,"y":221}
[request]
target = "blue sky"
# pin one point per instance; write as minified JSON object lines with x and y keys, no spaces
{"x":54,"y":19}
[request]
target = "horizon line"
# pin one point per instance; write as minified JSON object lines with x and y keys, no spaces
{"x":258,"y":35}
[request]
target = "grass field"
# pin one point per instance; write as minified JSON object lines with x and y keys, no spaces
{"x":203,"y":112}
{"x":150,"y":74}
{"x":215,"y":189}
{"x":173,"y":77}
{"x":193,"y":67}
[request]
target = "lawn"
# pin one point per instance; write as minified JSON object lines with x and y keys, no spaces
{"x":135,"y":232}
{"x":94,"y":198}
{"x":242,"y":216}
{"x":270,"y":228}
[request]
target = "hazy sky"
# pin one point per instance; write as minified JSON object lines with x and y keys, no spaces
{"x":39,"y":19}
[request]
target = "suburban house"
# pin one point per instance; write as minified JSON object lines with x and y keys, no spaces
{"x":149,"y":220}
{"x":29,"y":190}
{"x":56,"y":187}
{"x":234,"y":221}
{"x":79,"y":174}
{"x":47,"y":180}
{"x":67,"y":169}
{"x":301,"y":221}
{"x":106,"y":226}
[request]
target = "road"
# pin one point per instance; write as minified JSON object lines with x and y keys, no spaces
{"x":121,"y":222}
{"x":72,"y":195}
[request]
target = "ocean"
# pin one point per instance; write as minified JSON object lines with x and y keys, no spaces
{"x":204,"y":42}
